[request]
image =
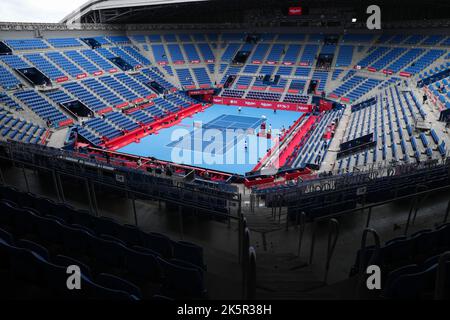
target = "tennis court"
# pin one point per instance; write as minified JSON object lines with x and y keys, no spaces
{"x":216,"y":138}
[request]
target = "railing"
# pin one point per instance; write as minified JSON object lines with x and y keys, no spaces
{"x":441,"y":276}
{"x":418,"y":199}
{"x":333,"y":235}
{"x":361,"y":281}
{"x":363,"y":175}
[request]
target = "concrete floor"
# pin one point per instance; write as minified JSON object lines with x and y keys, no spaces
{"x":274,"y":247}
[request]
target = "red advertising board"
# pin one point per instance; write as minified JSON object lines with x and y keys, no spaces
{"x":405,"y":74}
{"x":105,"y":110}
{"x":62,"y":79}
{"x":64,"y":123}
{"x":295,"y":11}
{"x":199,"y":92}
{"x":263,"y":104}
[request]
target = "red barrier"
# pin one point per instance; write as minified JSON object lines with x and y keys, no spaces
{"x":62,"y":79}
{"x":256,"y":62}
{"x":64,"y":123}
{"x":122,"y":105}
{"x":302,"y":132}
{"x":295,"y":11}
{"x":405,"y":74}
{"x":138,"y":100}
{"x":263,"y":104}
{"x":276,"y":89}
{"x":258,"y":181}
{"x":82,"y":76}
{"x":271,"y":62}
{"x":325,"y":105}
{"x":371,"y":69}
{"x":295,"y":175}
{"x":105,"y":110}
{"x":45,"y":137}
{"x":98,"y":73}
{"x":139,"y":133}
{"x":179,"y":62}
{"x":114,"y":70}
{"x":258,"y":88}
{"x":162,"y":63}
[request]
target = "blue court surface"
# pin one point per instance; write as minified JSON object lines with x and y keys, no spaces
{"x":216,"y":138}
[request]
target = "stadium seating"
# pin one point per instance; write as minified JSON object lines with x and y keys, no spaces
{"x":41,"y":107}
{"x":117,"y":261}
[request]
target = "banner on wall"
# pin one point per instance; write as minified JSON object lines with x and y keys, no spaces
{"x":263,"y":104}
{"x":295,"y":11}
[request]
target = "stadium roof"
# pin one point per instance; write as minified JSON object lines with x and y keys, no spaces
{"x":130,"y":6}
{"x":239,"y":11}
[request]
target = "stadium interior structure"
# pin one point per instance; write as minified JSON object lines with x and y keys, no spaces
{"x":367,"y":158}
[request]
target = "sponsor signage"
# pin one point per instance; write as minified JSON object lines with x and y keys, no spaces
{"x":405,"y":74}
{"x":62,"y":79}
{"x":65,"y":123}
{"x":263,"y":104}
{"x":199,"y":92}
{"x":105,"y":110}
{"x":295,"y":11}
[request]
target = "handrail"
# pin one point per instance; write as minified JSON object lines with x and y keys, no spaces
{"x":125,"y":188}
{"x":441,"y":276}
{"x":241,"y":236}
{"x":377,"y":204}
{"x":447,"y":212}
{"x":333,"y":236}
{"x":420,"y":202}
{"x":251,"y":279}
{"x":301,"y":231}
{"x":245,"y":260}
{"x":362,"y":253}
